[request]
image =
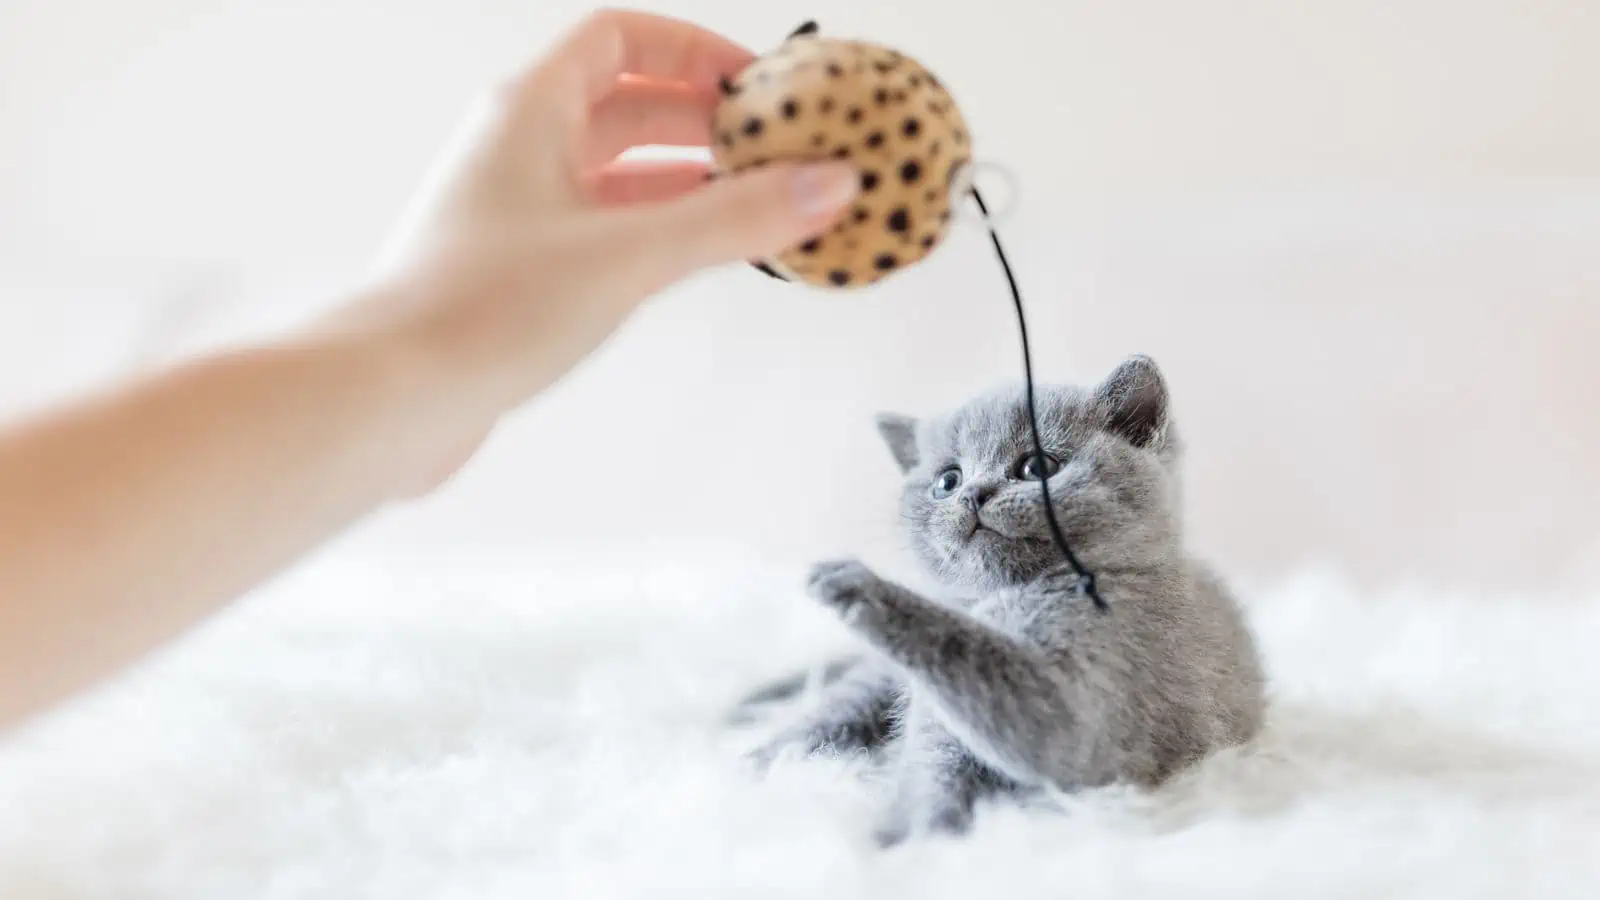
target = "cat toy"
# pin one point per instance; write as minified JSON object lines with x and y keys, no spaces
{"x":816,"y":98}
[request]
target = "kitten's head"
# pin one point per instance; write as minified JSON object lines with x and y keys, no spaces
{"x":972,"y":502}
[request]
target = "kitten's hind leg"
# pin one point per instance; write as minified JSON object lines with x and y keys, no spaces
{"x":754,"y":704}
{"x":857,"y":713}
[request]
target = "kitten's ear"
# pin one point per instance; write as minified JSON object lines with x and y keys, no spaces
{"x":1132,"y":401}
{"x":900,"y":433}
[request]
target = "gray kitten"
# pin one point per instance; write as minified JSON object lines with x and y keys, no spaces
{"x":1015,"y":682}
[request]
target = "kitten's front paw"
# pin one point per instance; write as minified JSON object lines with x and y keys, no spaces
{"x":795,"y":743}
{"x":762,"y":758}
{"x":938,"y":817}
{"x":845,"y":585}
{"x":890,"y":832}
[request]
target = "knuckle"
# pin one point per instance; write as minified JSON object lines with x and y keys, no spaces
{"x":599,"y":19}
{"x":608,"y":16}
{"x":604,"y":28}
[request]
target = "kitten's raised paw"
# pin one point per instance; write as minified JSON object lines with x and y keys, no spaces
{"x":842,"y":584}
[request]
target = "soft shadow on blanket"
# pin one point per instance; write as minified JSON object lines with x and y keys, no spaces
{"x":1307,"y":750}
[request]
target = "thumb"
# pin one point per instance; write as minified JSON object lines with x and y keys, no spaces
{"x":752,"y":214}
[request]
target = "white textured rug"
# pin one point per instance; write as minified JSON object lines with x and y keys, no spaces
{"x":475,"y":730}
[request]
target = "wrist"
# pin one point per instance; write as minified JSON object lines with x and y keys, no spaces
{"x":424,"y":401}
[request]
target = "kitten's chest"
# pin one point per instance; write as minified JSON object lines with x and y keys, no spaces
{"x":1014,"y":611}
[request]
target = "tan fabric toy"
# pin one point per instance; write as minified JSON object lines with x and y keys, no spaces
{"x":818,"y":98}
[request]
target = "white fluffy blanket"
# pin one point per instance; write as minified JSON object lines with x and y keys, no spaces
{"x":483,"y":730}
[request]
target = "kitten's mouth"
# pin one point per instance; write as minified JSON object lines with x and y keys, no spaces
{"x":996,"y":532}
{"x":981,"y":527}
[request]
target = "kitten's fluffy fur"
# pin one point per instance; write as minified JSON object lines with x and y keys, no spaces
{"x":1015,"y":682}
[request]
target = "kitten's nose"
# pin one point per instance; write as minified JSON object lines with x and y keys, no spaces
{"x":977,"y":495}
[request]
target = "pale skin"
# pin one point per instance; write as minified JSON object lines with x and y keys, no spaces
{"x":130,"y":516}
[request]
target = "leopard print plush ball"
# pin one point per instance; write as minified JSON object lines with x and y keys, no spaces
{"x":815,"y":98}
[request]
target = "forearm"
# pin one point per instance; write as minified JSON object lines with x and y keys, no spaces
{"x":127,"y":518}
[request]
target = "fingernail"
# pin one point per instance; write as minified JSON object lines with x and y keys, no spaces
{"x":824,"y":187}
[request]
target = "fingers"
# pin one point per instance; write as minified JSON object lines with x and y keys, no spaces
{"x":645,"y":57}
{"x":611,"y":43}
{"x":753,"y":214}
{"x":639,"y":181}
{"x":640,"y":113}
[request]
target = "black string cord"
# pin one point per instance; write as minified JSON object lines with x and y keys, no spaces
{"x":1086,"y":581}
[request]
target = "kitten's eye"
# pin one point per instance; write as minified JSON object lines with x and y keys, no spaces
{"x":1034,"y":467}
{"x":947,"y":482}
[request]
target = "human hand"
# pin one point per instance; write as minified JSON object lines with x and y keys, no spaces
{"x":533,"y":242}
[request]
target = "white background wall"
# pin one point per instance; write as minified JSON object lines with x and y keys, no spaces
{"x":1362,"y":236}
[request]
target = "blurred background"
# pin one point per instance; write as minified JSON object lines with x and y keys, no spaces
{"x":1361,"y":236}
